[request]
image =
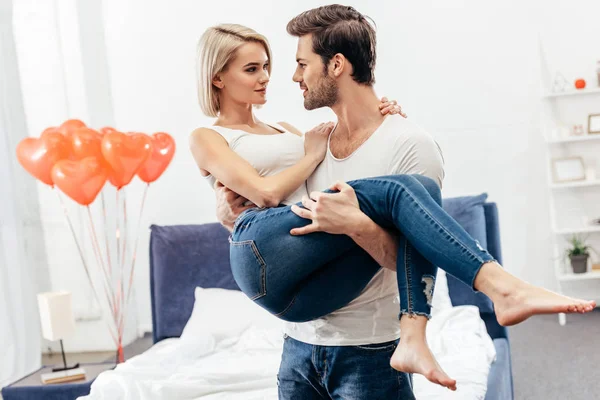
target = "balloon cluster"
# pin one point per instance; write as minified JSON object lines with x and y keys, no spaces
{"x":79,"y":160}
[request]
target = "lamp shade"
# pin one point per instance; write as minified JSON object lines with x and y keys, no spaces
{"x":56,"y":315}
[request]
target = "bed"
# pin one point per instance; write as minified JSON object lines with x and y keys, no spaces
{"x":233,"y":351}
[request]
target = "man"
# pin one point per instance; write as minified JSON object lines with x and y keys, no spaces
{"x":346,"y":354}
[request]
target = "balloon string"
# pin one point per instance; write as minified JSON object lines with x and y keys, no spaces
{"x":125,"y":234}
{"x":118,"y":237}
{"x":106,"y":236}
{"x":97,"y":252}
{"x":137,"y":236}
{"x":85,"y":265}
{"x":107,"y":243}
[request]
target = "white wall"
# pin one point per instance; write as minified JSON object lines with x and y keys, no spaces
{"x":468,"y":72}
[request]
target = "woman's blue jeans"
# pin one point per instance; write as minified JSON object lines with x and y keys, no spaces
{"x":301,"y":278}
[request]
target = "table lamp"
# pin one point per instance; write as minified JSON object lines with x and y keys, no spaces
{"x":57,"y":320}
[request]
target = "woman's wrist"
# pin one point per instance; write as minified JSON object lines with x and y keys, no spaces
{"x":314,"y":159}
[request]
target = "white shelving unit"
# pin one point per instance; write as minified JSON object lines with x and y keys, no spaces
{"x":576,"y":139}
{"x":580,"y":92}
{"x":579,"y":190}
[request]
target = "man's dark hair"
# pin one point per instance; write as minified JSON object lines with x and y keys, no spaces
{"x":340,"y":29}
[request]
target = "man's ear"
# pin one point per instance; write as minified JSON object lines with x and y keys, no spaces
{"x":218,"y":82}
{"x":337,"y":64}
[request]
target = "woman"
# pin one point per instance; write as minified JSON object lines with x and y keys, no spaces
{"x":300,"y":278}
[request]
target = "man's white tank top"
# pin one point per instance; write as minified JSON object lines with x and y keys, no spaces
{"x":268,"y":154}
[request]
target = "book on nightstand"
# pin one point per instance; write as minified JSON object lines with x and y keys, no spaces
{"x":70,"y":375}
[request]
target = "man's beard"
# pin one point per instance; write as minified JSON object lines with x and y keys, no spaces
{"x":325,"y":94}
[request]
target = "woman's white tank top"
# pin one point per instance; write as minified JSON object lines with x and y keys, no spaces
{"x":268,"y":154}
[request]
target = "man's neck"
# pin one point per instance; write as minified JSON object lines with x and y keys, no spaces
{"x":357,"y":112}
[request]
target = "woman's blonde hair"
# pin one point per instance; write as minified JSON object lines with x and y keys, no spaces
{"x":216,"y":48}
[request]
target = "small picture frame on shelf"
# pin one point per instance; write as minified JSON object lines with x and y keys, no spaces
{"x":577,"y":130}
{"x":568,"y":169}
{"x":594,"y":123}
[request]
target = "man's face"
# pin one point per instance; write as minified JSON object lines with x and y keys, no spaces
{"x":320,"y":89}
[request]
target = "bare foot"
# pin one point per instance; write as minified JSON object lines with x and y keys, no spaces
{"x":517,"y":305}
{"x":414,"y":356}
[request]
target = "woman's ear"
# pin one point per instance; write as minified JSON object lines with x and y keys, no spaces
{"x":218,"y":82}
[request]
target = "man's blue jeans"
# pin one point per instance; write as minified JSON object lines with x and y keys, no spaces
{"x":309,"y":372}
{"x":302,"y":278}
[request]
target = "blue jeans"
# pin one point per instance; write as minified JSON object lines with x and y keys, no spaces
{"x":309,"y":372}
{"x":302,"y":278}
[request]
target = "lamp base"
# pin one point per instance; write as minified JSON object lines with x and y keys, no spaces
{"x":65,"y":368}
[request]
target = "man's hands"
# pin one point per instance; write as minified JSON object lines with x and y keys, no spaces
{"x":335,"y":213}
{"x":229,"y":205}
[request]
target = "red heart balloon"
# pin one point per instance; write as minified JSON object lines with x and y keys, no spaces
{"x":38,"y":156}
{"x":125,"y":154}
{"x":50,"y":129}
{"x":86,"y":143}
{"x":69,"y":126}
{"x":80,"y":180}
{"x":163,"y":150}
{"x":107,"y":129}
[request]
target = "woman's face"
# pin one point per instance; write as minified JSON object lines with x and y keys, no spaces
{"x":246,"y":77}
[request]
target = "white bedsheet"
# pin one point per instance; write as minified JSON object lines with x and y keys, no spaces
{"x":245,"y":367}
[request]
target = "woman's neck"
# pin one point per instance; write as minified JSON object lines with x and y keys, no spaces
{"x":232,"y":113}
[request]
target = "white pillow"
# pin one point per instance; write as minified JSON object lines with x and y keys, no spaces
{"x":441,"y":296}
{"x":223,"y":313}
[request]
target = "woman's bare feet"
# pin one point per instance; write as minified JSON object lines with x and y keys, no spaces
{"x":516,"y":300}
{"x":414,"y":356}
{"x":529,"y":300}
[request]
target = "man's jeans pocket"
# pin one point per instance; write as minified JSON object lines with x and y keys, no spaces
{"x":248,"y":268}
{"x":379,"y":347}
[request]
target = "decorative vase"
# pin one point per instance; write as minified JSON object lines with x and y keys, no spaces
{"x":579,"y":263}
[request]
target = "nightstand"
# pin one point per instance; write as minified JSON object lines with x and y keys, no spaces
{"x":32,"y":388}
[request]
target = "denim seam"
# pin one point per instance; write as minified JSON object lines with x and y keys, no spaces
{"x":286,"y":309}
{"x":260,"y":218}
{"x":445,"y":230}
{"x":400,"y":379}
{"x":413,"y":198}
{"x":477,"y":258}
{"x":237,"y":222}
{"x":314,"y":360}
{"x":262,"y":263}
{"x":408,"y":275}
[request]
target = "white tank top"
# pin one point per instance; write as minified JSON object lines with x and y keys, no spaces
{"x":268,"y":154}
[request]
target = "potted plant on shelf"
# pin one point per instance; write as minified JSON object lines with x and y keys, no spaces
{"x":578,"y":254}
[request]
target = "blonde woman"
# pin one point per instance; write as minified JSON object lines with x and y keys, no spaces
{"x":301,"y":278}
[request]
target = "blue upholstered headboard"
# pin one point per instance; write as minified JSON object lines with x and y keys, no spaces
{"x":183,"y":257}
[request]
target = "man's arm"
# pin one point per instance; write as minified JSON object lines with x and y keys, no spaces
{"x":229,"y":205}
{"x":339,"y":213}
{"x":382,"y":245}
